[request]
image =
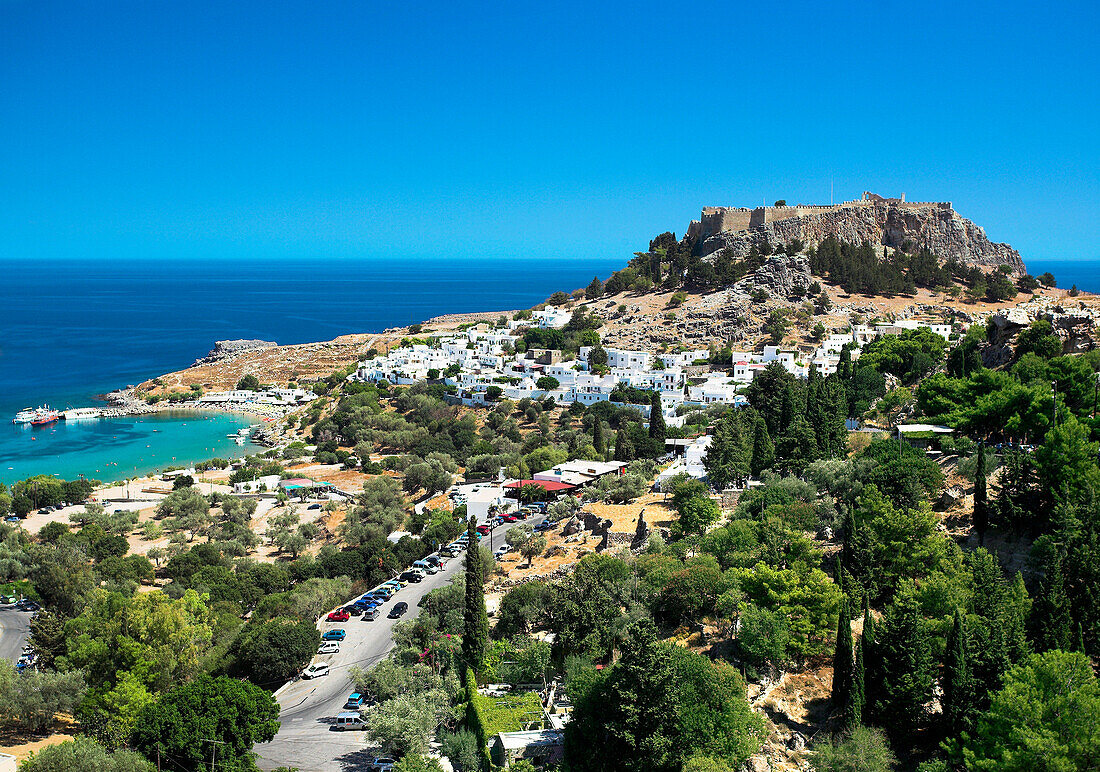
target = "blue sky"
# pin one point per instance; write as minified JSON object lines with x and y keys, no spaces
{"x":249,"y":129}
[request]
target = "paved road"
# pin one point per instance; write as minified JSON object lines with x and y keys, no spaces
{"x":308,"y":707}
{"x":15,"y":627}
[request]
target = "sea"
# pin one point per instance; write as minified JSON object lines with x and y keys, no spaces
{"x":73,"y":330}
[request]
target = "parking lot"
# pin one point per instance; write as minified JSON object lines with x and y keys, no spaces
{"x":309,"y":707}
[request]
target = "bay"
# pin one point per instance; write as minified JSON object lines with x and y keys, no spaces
{"x":74,"y":329}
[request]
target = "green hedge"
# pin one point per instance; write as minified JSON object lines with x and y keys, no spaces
{"x":475,"y":720}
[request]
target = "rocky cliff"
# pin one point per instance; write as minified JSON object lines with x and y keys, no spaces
{"x":940,"y":229}
{"x":227,"y":349}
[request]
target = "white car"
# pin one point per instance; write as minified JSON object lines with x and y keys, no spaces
{"x":316,"y":670}
{"x":329,"y":647}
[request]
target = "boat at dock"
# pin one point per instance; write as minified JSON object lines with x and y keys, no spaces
{"x":39,"y":416}
{"x":81,"y":413}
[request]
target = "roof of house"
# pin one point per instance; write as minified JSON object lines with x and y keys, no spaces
{"x":547,"y":485}
{"x":516,"y":740}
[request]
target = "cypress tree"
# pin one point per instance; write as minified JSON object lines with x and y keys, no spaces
{"x":657,"y":430}
{"x":869,"y":652}
{"x":904,"y":665}
{"x":597,"y":436}
{"x":1052,"y":621}
{"x":958,"y":681}
{"x":842,"y":661}
{"x":981,"y":498}
{"x":475,"y":627}
{"x":763,"y":451}
{"x":854,"y":716}
{"x":624,"y":448}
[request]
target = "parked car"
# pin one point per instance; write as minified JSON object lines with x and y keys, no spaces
{"x":334,"y":635}
{"x":27,"y":605}
{"x":329,"y":647}
{"x":545,"y":525}
{"x":371,"y":614}
{"x":399,"y":610}
{"x":352,"y":610}
{"x":412,"y":576}
{"x":12,"y":518}
{"x":316,"y":670}
{"x":314,"y":506}
{"x":501,"y":550}
{"x":338,"y":616}
{"x":426,"y":567}
{"x":348,"y":720}
{"x":355,"y":701}
{"x":382,"y":764}
{"x":510,"y":518}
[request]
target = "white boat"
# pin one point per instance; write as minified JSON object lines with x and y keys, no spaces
{"x":24,"y":416}
{"x":81,"y":413}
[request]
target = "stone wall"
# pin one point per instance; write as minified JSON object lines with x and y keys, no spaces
{"x":932,"y":225}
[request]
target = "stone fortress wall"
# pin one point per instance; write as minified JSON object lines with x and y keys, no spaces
{"x":892,"y":222}
{"x":727,"y":219}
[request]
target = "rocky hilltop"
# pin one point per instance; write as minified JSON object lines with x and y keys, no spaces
{"x":228,"y":349}
{"x":935,"y":226}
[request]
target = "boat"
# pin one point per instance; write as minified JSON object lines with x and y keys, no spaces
{"x":81,"y":414}
{"x":24,"y":416}
{"x":45,"y":418}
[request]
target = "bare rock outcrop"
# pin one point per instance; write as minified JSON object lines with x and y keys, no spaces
{"x":227,"y":349}
{"x":782,"y":276}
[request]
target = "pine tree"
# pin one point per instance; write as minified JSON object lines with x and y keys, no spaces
{"x":624,"y":448}
{"x":763,"y":451}
{"x":854,"y":716}
{"x":905,"y":669}
{"x":958,"y":681}
{"x":475,"y":627}
{"x":842,"y":661}
{"x":815,"y":409}
{"x":981,"y":499}
{"x":657,"y":430}
{"x":869,"y":651}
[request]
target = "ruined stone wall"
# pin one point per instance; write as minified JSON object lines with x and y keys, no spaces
{"x":934,"y":226}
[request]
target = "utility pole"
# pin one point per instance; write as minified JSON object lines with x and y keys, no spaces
{"x":214,"y":750}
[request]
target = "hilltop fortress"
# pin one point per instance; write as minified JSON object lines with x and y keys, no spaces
{"x":891,"y":222}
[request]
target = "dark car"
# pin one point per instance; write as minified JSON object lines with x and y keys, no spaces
{"x":411,"y":576}
{"x":353,"y":610}
{"x":27,"y":605}
{"x":545,"y":525}
{"x":399,"y":610}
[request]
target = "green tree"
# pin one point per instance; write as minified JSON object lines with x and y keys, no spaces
{"x":273,"y":651}
{"x":597,"y":436}
{"x":905,"y":663}
{"x":182,"y":721}
{"x":248,"y":383}
{"x":1044,"y":718}
{"x":729,"y":456}
{"x":862,"y":749}
{"x":843,"y":664}
{"x":475,"y":628}
{"x":1052,"y":616}
{"x":958,"y":681}
{"x":858,"y":701}
{"x":532,"y":548}
{"x":597,"y":357}
{"x":657,"y":707}
{"x":657,"y":429}
{"x":83,"y":754}
{"x":777,"y":325}
{"x":697,"y":514}
{"x":594,"y":289}
{"x":1066,"y":463}
{"x":624,"y":447}
{"x":763,"y":451}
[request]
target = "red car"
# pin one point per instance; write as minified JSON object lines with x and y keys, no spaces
{"x":483,"y":529}
{"x":510,"y":518}
{"x":339,"y":616}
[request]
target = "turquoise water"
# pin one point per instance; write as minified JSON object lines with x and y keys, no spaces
{"x":110,"y":449}
{"x":73,"y":329}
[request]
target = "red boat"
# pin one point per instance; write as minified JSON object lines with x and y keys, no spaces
{"x":44,"y":418}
